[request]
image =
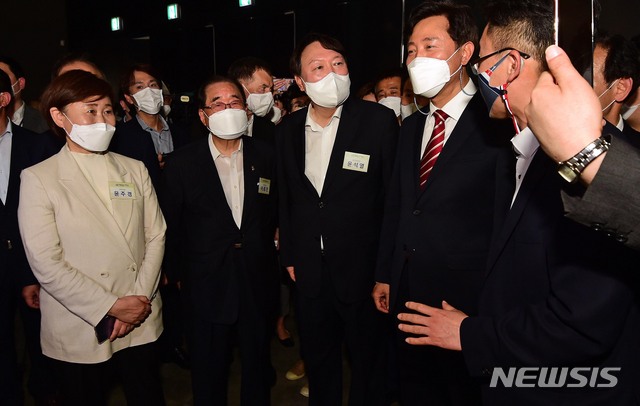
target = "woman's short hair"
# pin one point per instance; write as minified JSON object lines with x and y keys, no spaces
{"x":71,"y":87}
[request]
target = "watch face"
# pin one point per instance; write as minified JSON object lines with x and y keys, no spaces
{"x":567,"y":173}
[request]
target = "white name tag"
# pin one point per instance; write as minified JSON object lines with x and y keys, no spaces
{"x":355,"y":162}
{"x":122,"y":190}
{"x":264,"y":186}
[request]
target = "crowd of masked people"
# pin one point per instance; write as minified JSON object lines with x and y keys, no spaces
{"x":418,"y":223}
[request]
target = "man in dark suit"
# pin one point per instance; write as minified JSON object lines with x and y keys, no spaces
{"x":147,"y":137}
{"x":19,"y":149}
{"x":436,"y":233}
{"x":254,"y":75}
{"x":219,"y":199}
{"x":554,"y":290}
{"x":334,"y":163}
{"x":20,"y":112}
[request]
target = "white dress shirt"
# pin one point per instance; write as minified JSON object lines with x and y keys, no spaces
{"x":231,"y":173}
{"x":454,"y":109}
{"x":318,"y":147}
{"x":250,"y":126}
{"x":525,"y":146}
{"x":5,"y":161}
{"x":18,"y":115}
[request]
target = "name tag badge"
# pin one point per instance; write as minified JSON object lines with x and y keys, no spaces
{"x":355,"y":162}
{"x":264,"y":186}
{"x":122,"y":190}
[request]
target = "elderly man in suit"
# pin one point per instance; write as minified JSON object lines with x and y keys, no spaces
{"x":334,"y":164}
{"x":439,"y":214}
{"x":219,"y":198}
{"x":555,"y":293}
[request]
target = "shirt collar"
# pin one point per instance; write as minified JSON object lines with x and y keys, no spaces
{"x":18,"y":115}
{"x":309,"y":122}
{"x":215,"y":153}
{"x":455,"y":107}
{"x":165,"y":126}
{"x":620,"y":124}
{"x":525,"y":144}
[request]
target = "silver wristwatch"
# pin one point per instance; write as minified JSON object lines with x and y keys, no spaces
{"x":571,"y":169}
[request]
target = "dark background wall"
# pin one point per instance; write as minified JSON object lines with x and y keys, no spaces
{"x":213,"y":33}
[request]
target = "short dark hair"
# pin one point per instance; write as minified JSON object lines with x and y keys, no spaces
{"x":212,"y":80}
{"x":70,"y":58}
{"x":128,"y":77}
{"x":526,"y":25}
{"x":13,"y":65}
{"x":622,"y":59}
{"x":71,"y":87}
{"x":387,"y":74}
{"x":327,"y":42}
{"x":462,"y":25}
{"x":244,"y":68}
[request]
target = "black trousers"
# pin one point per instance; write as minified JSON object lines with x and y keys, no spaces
{"x":430,"y":376}
{"x":89,"y":384}
{"x":325,"y":325}
{"x":10,"y":386}
{"x":211,"y":348}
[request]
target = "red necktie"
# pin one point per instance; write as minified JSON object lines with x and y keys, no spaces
{"x":432,"y":151}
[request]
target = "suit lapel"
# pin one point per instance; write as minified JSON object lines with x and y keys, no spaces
{"x":122,"y":208}
{"x":534,"y":175}
{"x":299,"y":150}
{"x":250,"y":180}
{"x":72,"y":179}
{"x":347,"y":131}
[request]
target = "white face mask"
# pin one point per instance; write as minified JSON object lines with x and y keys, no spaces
{"x":228,"y":124}
{"x":149,"y":100}
{"x":603,"y":93}
{"x":330,"y":91}
{"x":392,"y":102}
{"x":628,"y":111}
{"x":92,"y":137}
{"x":14,"y":87}
{"x":277,"y":115}
{"x":406,"y":111}
{"x":429,"y":75}
{"x":166,"y":109}
{"x":259,"y":103}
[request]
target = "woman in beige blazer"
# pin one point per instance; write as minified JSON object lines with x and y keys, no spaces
{"x":94,"y":237}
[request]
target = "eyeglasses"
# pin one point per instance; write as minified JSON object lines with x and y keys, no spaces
{"x":219,"y":106}
{"x":476,"y":62}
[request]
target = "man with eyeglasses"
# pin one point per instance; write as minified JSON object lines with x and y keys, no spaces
{"x":556,"y":294}
{"x":218,"y":196}
{"x":439,"y":217}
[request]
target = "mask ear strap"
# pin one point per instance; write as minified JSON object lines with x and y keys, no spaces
{"x":418,"y":107}
{"x":462,"y":87}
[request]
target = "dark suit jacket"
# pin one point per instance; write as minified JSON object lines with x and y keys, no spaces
{"x":349,"y":213}
{"x":131,"y":140}
{"x":611,"y":204}
{"x":27,"y":149}
{"x":264,"y":129}
{"x":201,"y":232}
{"x":33,"y":120}
{"x":443,"y":232}
{"x":556,"y":294}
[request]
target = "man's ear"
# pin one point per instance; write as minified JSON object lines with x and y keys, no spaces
{"x":467,"y":52}
{"x":300,"y":83}
{"x":622,"y":89}
{"x":514,"y":64}
{"x":203,"y":118}
{"x":22,"y":82}
{"x":130,"y":100}
{"x":5,"y":99}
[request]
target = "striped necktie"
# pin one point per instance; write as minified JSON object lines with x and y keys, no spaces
{"x":434,"y":147}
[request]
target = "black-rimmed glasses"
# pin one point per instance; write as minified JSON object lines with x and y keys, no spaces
{"x":476,"y":62}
